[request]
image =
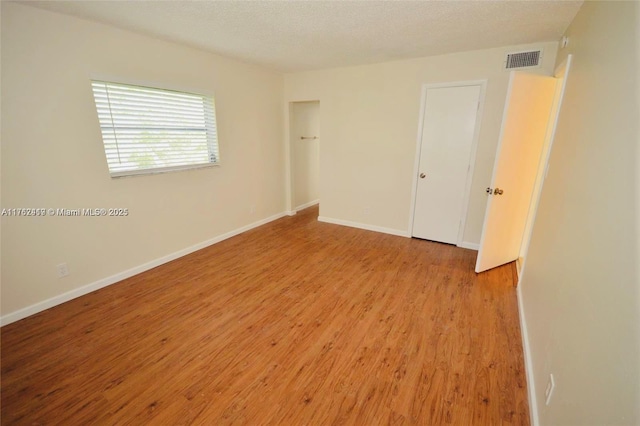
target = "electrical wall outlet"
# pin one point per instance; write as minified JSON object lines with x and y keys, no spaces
{"x":549,"y":390}
{"x":252,"y":209}
{"x":63,"y":270}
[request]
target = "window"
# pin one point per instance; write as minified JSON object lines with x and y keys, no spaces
{"x":149,"y":130}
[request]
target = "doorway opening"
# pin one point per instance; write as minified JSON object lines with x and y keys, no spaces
{"x":304,"y":155}
{"x":528,"y":129}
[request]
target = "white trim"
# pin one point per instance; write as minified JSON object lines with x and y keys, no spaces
{"x":472,"y":155}
{"x":375,"y":228}
{"x":309,"y":204}
{"x":104,"y":282}
{"x":528,"y":363}
{"x":290,"y":212}
{"x":159,"y":170}
{"x":468,"y":245}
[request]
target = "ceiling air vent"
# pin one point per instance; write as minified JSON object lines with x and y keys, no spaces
{"x":523,"y":59}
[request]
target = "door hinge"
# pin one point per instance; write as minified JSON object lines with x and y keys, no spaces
{"x":489,"y":191}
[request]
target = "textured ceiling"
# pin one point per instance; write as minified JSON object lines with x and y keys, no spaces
{"x":304,"y":35}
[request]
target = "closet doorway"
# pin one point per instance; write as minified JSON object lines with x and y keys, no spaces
{"x":304,"y":154}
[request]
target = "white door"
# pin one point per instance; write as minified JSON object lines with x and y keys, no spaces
{"x":448,"y":129}
{"x":524,"y":126}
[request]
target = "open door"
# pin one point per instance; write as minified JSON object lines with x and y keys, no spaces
{"x":526,"y":116}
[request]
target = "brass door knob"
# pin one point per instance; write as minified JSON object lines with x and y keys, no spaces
{"x":498,"y":191}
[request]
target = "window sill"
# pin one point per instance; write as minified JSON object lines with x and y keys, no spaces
{"x":154,"y":171}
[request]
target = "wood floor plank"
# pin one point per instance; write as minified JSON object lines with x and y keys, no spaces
{"x":296,"y":322}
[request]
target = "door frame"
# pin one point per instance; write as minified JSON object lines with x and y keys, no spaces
{"x":472,"y":156}
{"x":564,"y":68}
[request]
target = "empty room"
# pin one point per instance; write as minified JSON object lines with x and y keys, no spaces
{"x":320,"y":212}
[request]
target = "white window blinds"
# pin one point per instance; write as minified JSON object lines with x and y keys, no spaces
{"x":149,"y":130}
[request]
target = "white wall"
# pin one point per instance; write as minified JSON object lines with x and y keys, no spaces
{"x":370,"y":120}
{"x":580,"y":285}
{"x":305,"y":153}
{"x":52,"y":154}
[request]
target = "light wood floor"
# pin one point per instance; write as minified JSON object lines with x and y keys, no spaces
{"x":294,"y":323}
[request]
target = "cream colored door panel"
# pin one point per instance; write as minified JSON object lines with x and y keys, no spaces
{"x":527,"y":110}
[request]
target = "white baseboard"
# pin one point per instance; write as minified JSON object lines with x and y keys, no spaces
{"x":104,"y":282}
{"x":467,"y":245}
{"x":290,"y":212}
{"x":363,"y":226}
{"x":528,"y":363}
{"x":305,"y":205}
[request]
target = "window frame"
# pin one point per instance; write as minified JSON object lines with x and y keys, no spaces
{"x":212,"y":147}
